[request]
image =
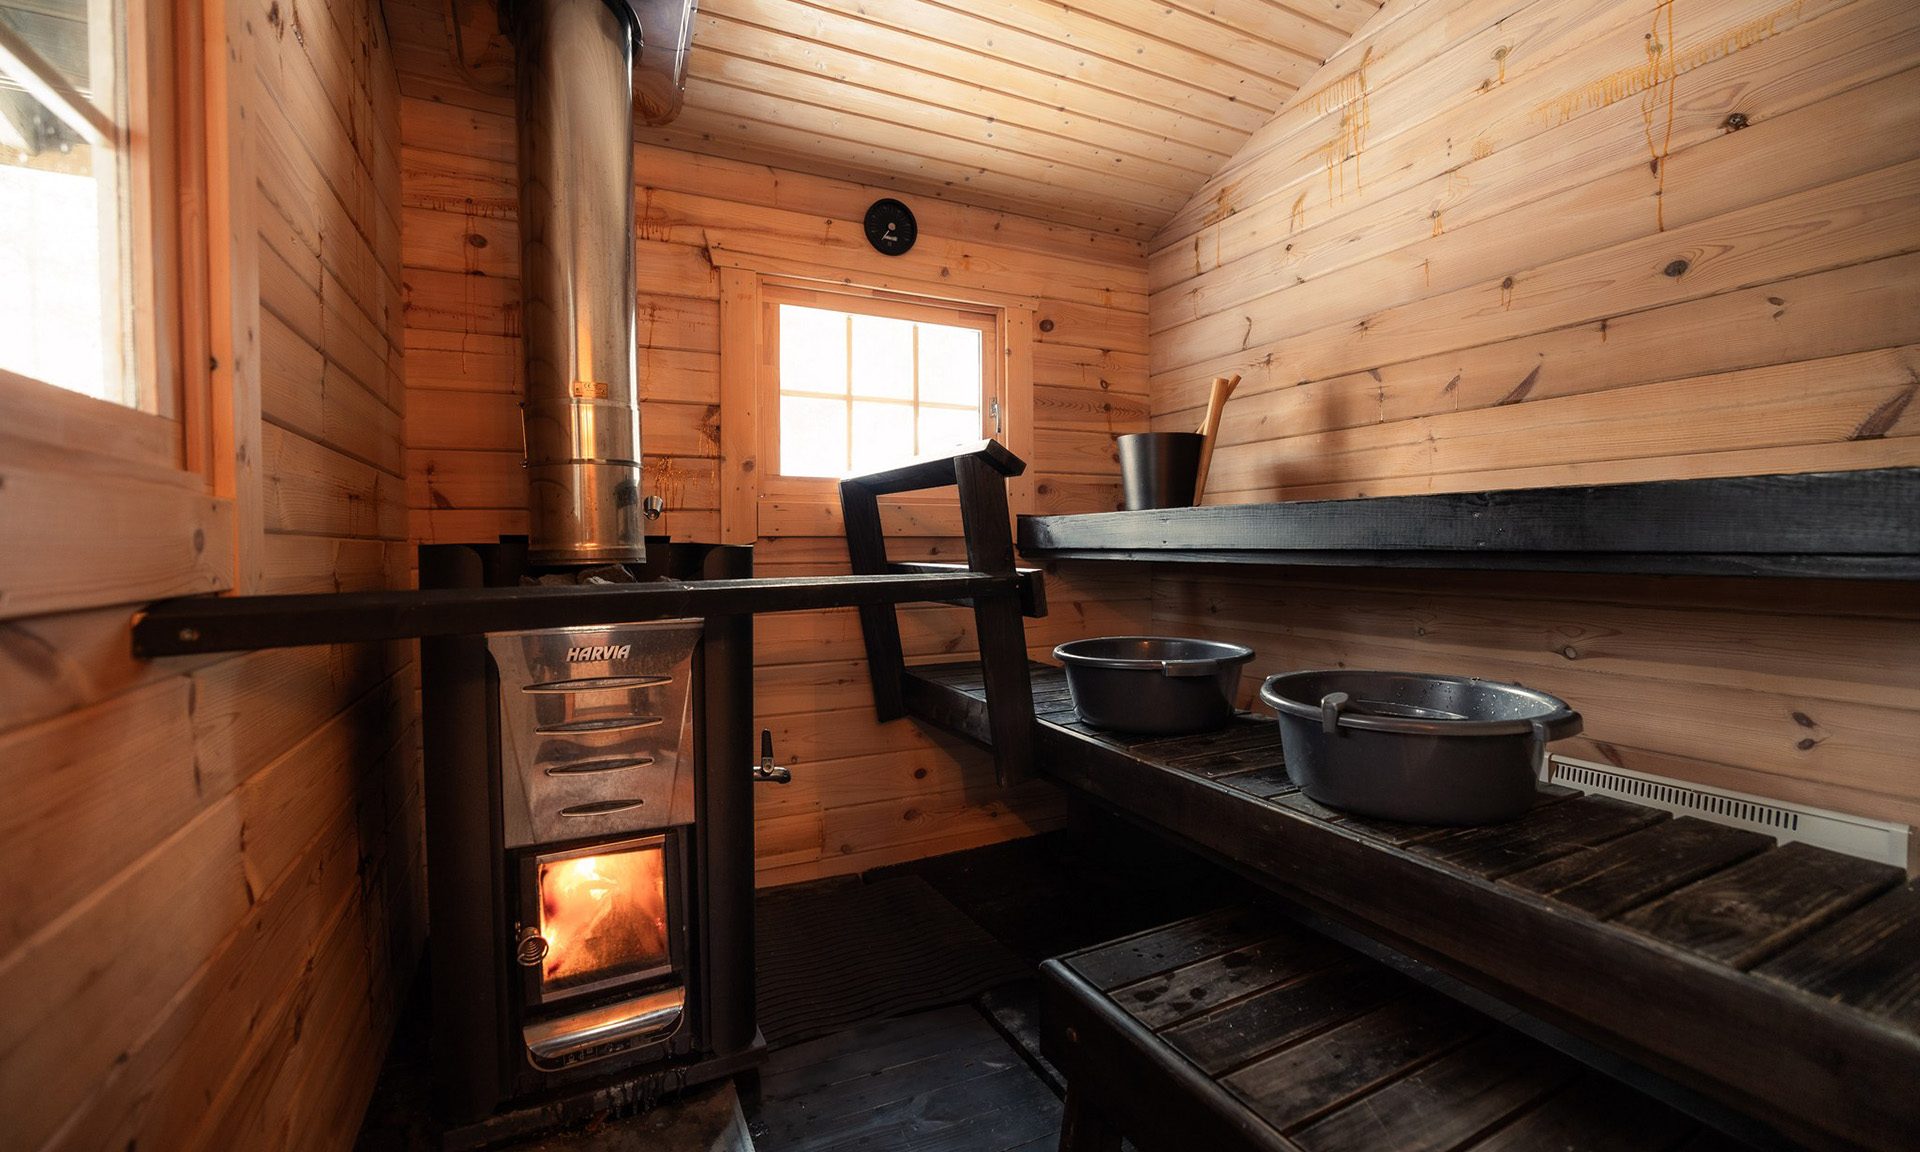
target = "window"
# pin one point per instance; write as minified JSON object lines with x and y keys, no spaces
{"x":956,"y":367}
{"x":866,"y":382}
{"x":109,"y":266}
{"x":66,"y":298}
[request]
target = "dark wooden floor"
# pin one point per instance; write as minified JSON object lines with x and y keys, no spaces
{"x":944,"y":1079}
{"x":969,"y":1077}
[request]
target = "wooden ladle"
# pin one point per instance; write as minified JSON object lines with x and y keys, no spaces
{"x":1210,"y":429}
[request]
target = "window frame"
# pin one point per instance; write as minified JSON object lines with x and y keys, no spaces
{"x":158,"y":464}
{"x":987,"y":320}
{"x":145,"y":300}
{"x":747,"y":514}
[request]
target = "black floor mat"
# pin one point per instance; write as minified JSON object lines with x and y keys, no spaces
{"x":833,"y":955}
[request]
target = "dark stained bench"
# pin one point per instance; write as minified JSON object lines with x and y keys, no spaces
{"x":1782,"y":981}
{"x":1240,"y":1030}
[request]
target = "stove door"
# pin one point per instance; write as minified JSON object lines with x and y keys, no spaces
{"x":600,"y":917}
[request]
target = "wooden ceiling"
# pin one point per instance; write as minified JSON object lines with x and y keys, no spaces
{"x":1108,"y":114}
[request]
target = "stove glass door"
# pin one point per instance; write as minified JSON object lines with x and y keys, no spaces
{"x":605,"y":914}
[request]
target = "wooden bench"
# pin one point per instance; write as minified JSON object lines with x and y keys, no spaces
{"x":1242,"y":1030}
{"x":1782,"y":981}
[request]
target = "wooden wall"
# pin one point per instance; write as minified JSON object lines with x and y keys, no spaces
{"x":213,"y":868}
{"x":863,"y":794}
{"x":1515,"y":243}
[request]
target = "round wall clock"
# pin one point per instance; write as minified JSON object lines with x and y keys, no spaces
{"x":890,"y":227}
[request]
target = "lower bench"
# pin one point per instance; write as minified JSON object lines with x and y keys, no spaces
{"x":1240,"y":1029}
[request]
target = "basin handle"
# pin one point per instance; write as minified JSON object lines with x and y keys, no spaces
{"x":1203,"y":667}
{"x":1330,"y":706}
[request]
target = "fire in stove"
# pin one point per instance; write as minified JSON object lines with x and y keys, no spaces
{"x":602,"y":914}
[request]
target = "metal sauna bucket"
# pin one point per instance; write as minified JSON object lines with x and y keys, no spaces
{"x":1418,"y":748}
{"x":1163,"y":685}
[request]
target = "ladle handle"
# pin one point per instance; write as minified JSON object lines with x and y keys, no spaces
{"x":1223,"y":387}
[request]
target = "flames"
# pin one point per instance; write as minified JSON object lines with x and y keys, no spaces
{"x":603,"y":912}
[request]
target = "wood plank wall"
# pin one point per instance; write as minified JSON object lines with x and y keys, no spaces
{"x":1516,"y":243}
{"x":864,"y":794}
{"x":214,"y":867}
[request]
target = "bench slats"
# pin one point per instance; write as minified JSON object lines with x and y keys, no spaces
{"x":1296,"y":1085}
{"x":1441,"y":1106}
{"x":1262,"y":783}
{"x":1151,"y":953}
{"x":1753,"y":909}
{"x":1643,"y":866}
{"x":1594,"y":1115}
{"x":1284,"y":1039}
{"x":1549,"y":832}
{"x":1240,"y":734}
{"x":1165,"y":1000}
{"x":1870,"y":960}
{"x":1216,"y":764}
{"x":1249,"y":1028}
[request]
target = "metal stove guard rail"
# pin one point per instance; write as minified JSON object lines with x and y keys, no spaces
{"x":998,"y":593}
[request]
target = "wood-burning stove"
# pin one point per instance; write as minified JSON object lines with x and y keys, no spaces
{"x":590,"y":853}
{"x":509,"y":1060}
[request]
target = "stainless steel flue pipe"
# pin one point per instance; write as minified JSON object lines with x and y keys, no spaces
{"x":574,"y":99}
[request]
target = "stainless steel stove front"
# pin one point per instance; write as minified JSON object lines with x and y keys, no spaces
{"x":595,"y":730}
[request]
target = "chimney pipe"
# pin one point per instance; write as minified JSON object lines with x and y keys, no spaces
{"x":574,"y":100}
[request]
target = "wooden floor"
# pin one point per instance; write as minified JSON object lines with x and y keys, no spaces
{"x":970,"y":1078}
{"x":943,"y":1080}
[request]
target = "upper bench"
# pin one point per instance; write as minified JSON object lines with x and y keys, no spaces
{"x":1848,"y":525}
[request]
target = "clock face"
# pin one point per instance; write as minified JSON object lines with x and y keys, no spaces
{"x":890,"y":227}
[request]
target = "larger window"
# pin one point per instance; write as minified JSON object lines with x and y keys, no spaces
{"x":109,"y":415}
{"x":866,"y":382}
{"x":67,"y":301}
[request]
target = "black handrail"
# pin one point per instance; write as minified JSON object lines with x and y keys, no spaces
{"x":244,"y":623}
{"x":980,"y":472}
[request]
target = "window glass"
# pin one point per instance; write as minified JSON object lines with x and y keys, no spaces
{"x":64,"y":300}
{"x":813,"y":351}
{"x":882,"y":436}
{"x":944,"y":428}
{"x":882,"y":357}
{"x":910,"y":388}
{"x":950,"y":368}
{"x":813,"y":436}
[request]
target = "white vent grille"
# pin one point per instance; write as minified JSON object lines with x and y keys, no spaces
{"x":1853,"y":835}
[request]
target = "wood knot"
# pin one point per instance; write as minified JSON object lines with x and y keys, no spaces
{"x":1046,"y":325}
{"x":1677,"y":268}
{"x":1735,"y":121}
